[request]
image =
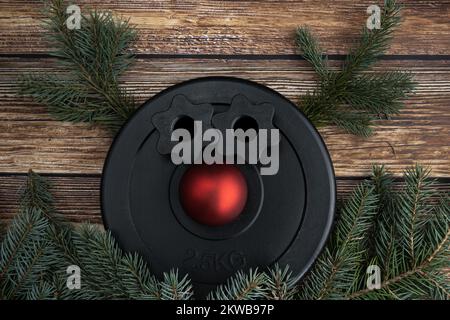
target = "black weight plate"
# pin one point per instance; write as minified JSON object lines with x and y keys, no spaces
{"x":287,"y":217}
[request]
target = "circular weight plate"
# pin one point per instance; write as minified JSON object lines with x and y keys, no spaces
{"x":287,"y":216}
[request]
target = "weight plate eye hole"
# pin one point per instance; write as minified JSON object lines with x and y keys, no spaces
{"x":184,"y":122}
{"x":245,"y":123}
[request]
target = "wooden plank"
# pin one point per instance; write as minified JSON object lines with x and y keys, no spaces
{"x":30,"y":138}
{"x":78,"y":197}
{"x":239,"y":27}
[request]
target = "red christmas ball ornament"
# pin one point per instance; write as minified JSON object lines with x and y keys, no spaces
{"x":213,"y":195}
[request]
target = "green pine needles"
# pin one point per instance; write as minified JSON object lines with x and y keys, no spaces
{"x":349,"y":98}
{"x":400,"y":227}
{"x":275,"y":284}
{"x":39,"y":246}
{"x":92,"y":59}
{"x":403,"y":232}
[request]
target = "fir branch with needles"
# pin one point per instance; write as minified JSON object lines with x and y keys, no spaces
{"x":243,"y":286}
{"x":22,"y":252}
{"x":348,"y":97}
{"x":409,"y":242}
{"x":403,"y":231}
{"x":91,"y":59}
{"x":383,"y":245}
{"x":274,"y":284}
{"x":420,"y":254}
{"x":39,"y":245}
{"x":174,"y":288}
{"x":281,"y":285}
{"x":337,"y":269}
{"x":399,"y":231}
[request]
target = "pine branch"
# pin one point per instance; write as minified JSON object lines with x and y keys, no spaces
{"x":379,"y":94}
{"x":40,"y":245}
{"x":98,"y":251}
{"x":109,"y":273}
{"x":348,"y":98}
{"x":36,"y":232}
{"x":373,"y":42}
{"x":312,"y":52}
{"x":93,"y":58}
{"x":23,"y":228}
{"x":409,"y":241}
{"x":338,"y":268}
{"x":413,"y":211}
{"x":410,"y":284}
{"x":281,"y":285}
{"x":357,"y":123}
{"x":33,"y":261}
{"x":138,"y":280}
{"x":416,"y":249}
{"x":173,"y":288}
{"x":58,"y":281}
{"x":76,"y":248}
{"x":68,"y":100}
{"x":384,"y":226}
{"x":36,"y":195}
{"x":24,"y":253}
{"x":275,"y":284}
{"x":41,"y":290}
{"x":242,"y":286}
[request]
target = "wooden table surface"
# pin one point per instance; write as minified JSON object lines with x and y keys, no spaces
{"x":181,"y":40}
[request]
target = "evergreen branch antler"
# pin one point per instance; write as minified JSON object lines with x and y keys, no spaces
{"x":312,"y":52}
{"x":347,"y":98}
{"x":93,"y":58}
{"x":373,"y":42}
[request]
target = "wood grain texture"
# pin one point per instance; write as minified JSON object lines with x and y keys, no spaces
{"x":239,"y":27}
{"x":30,"y":138}
{"x":78,"y":197}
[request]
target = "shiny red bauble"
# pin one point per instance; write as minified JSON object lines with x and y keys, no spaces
{"x":213,"y":195}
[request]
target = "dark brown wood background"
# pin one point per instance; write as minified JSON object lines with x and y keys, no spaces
{"x":181,"y":40}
